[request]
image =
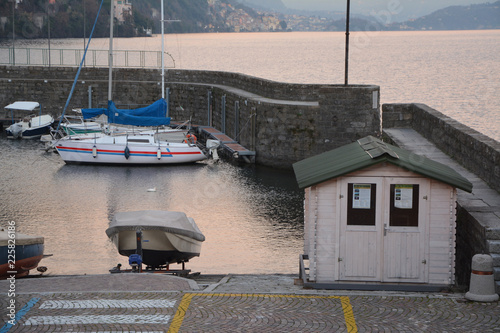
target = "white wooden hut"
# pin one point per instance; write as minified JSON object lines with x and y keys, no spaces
{"x":378,"y":217}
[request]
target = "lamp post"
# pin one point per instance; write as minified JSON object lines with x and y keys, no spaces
{"x":346,"y":78}
{"x":48,"y":27}
{"x":14,"y":2}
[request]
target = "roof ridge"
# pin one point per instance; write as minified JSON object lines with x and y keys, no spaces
{"x":376,"y":148}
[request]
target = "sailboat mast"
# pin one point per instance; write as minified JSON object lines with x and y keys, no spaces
{"x":110,"y":57}
{"x":162,"y":52}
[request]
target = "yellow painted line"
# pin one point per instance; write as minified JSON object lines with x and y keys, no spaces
{"x":350,"y":322}
{"x":181,"y":312}
{"x":186,"y":301}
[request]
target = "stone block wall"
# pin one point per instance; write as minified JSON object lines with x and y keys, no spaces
{"x":282,"y":133}
{"x":283,"y":123}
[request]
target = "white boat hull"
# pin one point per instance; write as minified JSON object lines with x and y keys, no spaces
{"x":158,"y":247}
{"x":126,"y":150}
{"x":30,"y":129}
{"x":167,"y":237}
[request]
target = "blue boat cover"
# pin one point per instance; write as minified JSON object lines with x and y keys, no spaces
{"x":152,"y":115}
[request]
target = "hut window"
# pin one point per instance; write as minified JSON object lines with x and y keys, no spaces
{"x":361,"y":204}
{"x":404,"y":205}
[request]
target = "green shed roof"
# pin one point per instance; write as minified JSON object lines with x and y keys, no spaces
{"x":367,"y":152}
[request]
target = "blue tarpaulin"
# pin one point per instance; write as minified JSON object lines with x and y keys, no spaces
{"x":152,"y":115}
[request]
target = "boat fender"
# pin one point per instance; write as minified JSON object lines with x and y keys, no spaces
{"x":127,"y":152}
{"x":158,"y":153}
{"x":94,"y":151}
{"x":190,"y":138}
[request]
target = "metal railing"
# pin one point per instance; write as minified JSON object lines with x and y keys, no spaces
{"x":73,"y":57}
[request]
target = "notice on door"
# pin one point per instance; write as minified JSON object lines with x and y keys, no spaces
{"x":403,"y":196}
{"x":361,"y":196}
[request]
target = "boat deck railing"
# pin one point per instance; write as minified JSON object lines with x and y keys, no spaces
{"x":73,"y":57}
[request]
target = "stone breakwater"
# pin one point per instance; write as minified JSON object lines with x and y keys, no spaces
{"x":475,"y":151}
{"x":283,"y":123}
{"x":478,"y":213}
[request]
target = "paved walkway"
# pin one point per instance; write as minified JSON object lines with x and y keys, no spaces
{"x":483,"y":198}
{"x":232,"y":303}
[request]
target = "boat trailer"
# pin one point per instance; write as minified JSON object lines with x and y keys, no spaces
{"x":135,"y":262}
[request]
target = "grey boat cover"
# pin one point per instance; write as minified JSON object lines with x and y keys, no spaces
{"x":21,"y":239}
{"x":173,"y":222}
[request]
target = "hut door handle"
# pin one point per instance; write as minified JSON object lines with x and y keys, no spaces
{"x":385,"y":229}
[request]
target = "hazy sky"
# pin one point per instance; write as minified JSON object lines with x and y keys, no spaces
{"x":401,"y":9}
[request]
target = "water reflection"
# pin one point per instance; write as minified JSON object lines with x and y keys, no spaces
{"x":251,"y":216}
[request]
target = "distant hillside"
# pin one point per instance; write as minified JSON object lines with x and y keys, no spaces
{"x":273,"y":5}
{"x":67,"y":19}
{"x":481,"y":16}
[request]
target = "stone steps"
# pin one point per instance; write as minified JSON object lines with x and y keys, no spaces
{"x":493,"y":245}
{"x":496,"y":270}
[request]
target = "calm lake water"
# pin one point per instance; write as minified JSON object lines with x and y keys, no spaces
{"x":251,"y":216}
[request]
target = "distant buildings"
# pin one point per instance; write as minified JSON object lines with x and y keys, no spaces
{"x":123,"y":8}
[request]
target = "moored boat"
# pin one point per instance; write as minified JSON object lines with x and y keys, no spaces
{"x":31,"y":126}
{"x":19,"y":253}
{"x":77,"y":125}
{"x":99,"y":148}
{"x":167,"y":236}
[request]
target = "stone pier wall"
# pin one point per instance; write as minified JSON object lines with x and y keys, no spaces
{"x":283,"y":123}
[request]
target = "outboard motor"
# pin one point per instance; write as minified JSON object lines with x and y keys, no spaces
{"x":16,"y":130}
{"x":212,"y":146}
{"x":135,"y":260}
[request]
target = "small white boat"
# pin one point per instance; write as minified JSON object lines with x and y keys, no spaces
{"x":77,"y":125}
{"x":167,"y":237}
{"x":31,"y":126}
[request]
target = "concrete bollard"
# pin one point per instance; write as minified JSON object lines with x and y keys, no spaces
{"x":482,"y":281}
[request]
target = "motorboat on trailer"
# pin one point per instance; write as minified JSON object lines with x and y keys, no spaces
{"x":31,"y":126}
{"x":20,"y":254}
{"x":165,"y":236}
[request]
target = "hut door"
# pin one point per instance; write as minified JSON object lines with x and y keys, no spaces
{"x":383,"y":223}
{"x":360,"y":230}
{"x":405,"y":225}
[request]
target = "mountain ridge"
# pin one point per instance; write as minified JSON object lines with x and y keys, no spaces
{"x":31,"y":18}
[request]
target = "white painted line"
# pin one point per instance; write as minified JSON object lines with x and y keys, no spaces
{"x":107,"y":304}
{"x":121,"y":332}
{"x":97,"y":319}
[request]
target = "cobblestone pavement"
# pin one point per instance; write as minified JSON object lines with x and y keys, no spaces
{"x":235,"y":304}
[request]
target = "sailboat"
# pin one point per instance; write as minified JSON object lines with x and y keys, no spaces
{"x":138,"y":147}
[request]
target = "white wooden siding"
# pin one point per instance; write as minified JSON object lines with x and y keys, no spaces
{"x":399,"y":264}
{"x":442,"y":234}
{"x":326,"y":232}
{"x":360,"y":244}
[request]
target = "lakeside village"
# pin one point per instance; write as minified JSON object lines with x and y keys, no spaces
{"x":220,"y":17}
